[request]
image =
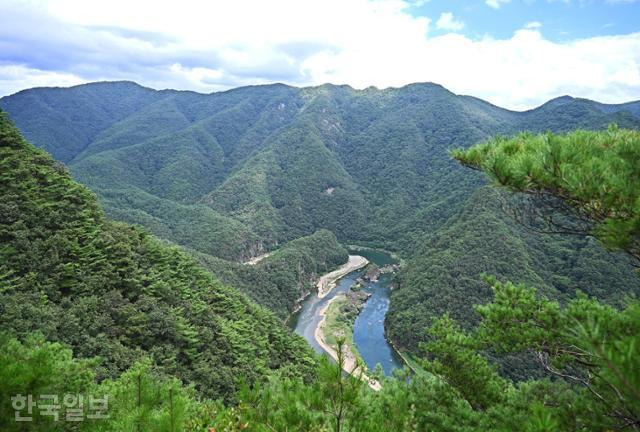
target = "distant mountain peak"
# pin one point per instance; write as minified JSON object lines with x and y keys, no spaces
{"x":559,"y":101}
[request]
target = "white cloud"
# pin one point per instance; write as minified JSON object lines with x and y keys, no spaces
{"x":18,"y":77}
{"x":448,"y":22}
{"x":496,"y":3}
{"x":533,"y":25}
{"x":210,"y":46}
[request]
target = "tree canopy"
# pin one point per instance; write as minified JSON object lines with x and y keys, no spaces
{"x":234,"y":174}
{"x":595,"y":175}
{"x":111,"y":290}
{"x":178,"y":350}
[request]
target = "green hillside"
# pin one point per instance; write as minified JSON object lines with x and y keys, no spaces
{"x":445,"y":274}
{"x":375,"y":162}
{"x":113,"y":291}
{"x":281,"y":279}
{"x":231,"y":175}
{"x":136,"y":320}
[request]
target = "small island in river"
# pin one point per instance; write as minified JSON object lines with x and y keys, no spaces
{"x":337,"y":321}
{"x":353,"y":308}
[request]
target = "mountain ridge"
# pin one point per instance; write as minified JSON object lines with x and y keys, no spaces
{"x":327,"y":84}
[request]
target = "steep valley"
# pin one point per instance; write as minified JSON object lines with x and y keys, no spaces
{"x":300,"y":171}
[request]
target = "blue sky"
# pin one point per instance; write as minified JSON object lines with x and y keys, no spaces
{"x":561,"y":20}
{"x":514,"y":53}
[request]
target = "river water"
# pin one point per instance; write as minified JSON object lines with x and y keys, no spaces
{"x":368,"y":330}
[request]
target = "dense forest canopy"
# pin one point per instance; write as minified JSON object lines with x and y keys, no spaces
{"x":166,"y":337}
{"x":111,"y":290}
{"x":595,"y":176}
{"x":220,"y":174}
{"x":283,"y":277}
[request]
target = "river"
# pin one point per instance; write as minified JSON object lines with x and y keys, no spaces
{"x":368,"y":331}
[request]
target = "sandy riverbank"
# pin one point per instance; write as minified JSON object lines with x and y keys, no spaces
{"x":349,"y":365}
{"x":328,"y":281}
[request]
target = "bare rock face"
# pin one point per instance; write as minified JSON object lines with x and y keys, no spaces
{"x":372,"y":274}
{"x":355,"y":302}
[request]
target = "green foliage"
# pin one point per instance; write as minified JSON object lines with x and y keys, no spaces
{"x":196,"y":225}
{"x":586,"y":342}
{"x":111,"y":290}
{"x":416,"y":402}
{"x":153,"y":157}
{"x":445,"y":274}
{"x":597,"y":174}
{"x":284,"y":277}
{"x":141,"y":400}
{"x":235,"y":174}
{"x":35,"y":368}
{"x":589,"y":348}
{"x":333,"y":402}
{"x":96,"y":107}
{"x":455,"y":357}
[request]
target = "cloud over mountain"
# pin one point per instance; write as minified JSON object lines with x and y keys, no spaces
{"x":215,"y":46}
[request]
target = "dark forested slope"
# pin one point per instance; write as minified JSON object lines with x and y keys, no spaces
{"x":111,"y":290}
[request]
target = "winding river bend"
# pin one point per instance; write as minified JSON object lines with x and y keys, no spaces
{"x":368,"y":331}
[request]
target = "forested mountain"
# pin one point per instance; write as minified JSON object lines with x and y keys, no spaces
{"x":221,"y":173}
{"x":113,"y":291}
{"x":137,"y":320}
{"x":233,"y":174}
{"x":445,"y":273}
{"x":285,"y":276}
